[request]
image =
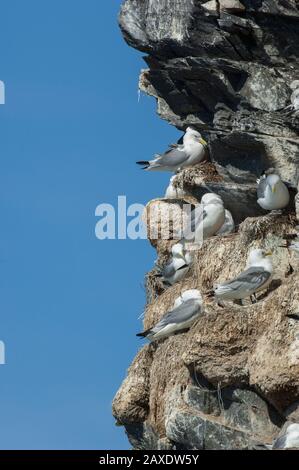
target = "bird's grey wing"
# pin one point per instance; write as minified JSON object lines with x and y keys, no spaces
{"x":280,"y":443}
{"x":175,"y":146}
{"x":172,"y":157}
{"x":180,"y":314}
{"x":251,"y":278}
{"x":262,"y":188}
{"x":197,"y":216}
{"x":168,"y":270}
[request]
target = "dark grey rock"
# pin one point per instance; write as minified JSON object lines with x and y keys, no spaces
{"x":247,"y":411}
{"x":165,"y":444}
{"x":186,"y":429}
{"x":292,"y":412}
{"x":194,"y":432}
{"x":218,"y":437}
{"x":142,"y":436}
{"x":202,"y":400}
{"x":238,"y":409}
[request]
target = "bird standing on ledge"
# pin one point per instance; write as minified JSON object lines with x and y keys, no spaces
{"x":256,"y":277}
{"x":187,"y":308}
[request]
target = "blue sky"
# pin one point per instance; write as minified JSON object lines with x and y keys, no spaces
{"x":69,"y":303}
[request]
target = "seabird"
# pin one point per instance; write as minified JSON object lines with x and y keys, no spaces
{"x":290,"y":438}
{"x":272,"y":192}
{"x":173,"y":192}
{"x":206,"y":219}
{"x":187,"y":308}
{"x":191,"y":152}
{"x":257,"y":276}
{"x":178,"y":265}
{"x":228,"y":226}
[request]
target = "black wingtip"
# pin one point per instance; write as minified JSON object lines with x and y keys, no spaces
{"x":183,"y":267}
{"x":141,"y":335}
{"x":293,"y":316}
{"x":145,"y":165}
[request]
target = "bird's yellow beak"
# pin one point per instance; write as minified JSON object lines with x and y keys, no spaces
{"x":203,"y":141}
{"x":268,"y":253}
{"x":273,"y":188}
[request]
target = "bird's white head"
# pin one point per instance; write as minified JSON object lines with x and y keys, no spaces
{"x":191,"y":294}
{"x":193,"y":134}
{"x":211,"y":198}
{"x":272,"y":181}
{"x":257,"y":254}
{"x":294,"y":85}
{"x":178,"y":250}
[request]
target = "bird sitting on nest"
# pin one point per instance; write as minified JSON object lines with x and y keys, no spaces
{"x":178,"y":265}
{"x":177,"y":157}
{"x":229,"y":225}
{"x":272,"y":192}
{"x":174,"y":192}
{"x":206,"y":219}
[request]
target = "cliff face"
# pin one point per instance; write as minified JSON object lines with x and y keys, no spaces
{"x":224,"y":67}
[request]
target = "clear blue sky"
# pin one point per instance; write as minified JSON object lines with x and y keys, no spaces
{"x":68,"y":302}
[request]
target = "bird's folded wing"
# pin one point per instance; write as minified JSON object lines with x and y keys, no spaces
{"x":250,"y":279}
{"x":172,"y":157}
{"x":280,"y":442}
{"x":175,"y":146}
{"x":168,"y":270}
{"x":180,"y":314}
{"x":197,"y":216}
{"x":262,"y":188}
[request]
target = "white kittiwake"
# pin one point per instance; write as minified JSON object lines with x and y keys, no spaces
{"x":228,"y":226}
{"x":191,"y":152}
{"x":187,"y":308}
{"x":257,"y":276}
{"x":178,"y":265}
{"x":272,"y":192}
{"x":173,"y":192}
{"x":290,"y":438}
{"x":206,"y":219}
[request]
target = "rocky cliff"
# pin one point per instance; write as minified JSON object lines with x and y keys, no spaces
{"x":232,"y":381}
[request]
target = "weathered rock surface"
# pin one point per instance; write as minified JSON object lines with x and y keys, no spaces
{"x":231,"y":381}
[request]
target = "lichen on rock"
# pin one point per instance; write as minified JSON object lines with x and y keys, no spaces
{"x":232,"y":380}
